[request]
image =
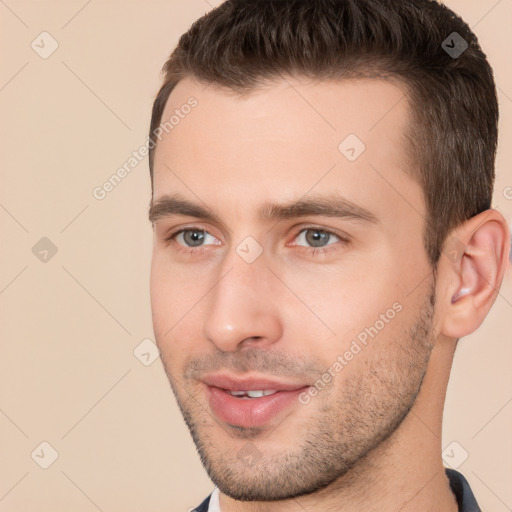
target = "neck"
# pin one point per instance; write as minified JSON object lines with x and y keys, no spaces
{"x":404,"y":473}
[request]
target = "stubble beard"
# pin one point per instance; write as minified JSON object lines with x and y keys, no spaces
{"x":341,"y":432}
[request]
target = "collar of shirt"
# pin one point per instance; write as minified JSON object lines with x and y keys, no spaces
{"x":214,"y":501}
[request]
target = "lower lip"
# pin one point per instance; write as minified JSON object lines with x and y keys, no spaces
{"x":251,"y":412}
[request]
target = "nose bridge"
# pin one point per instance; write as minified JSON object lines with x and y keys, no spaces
{"x":242,"y":303}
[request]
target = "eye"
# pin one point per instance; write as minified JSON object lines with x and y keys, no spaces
{"x":311,"y":239}
{"x":314,"y":240}
{"x":191,"y":238}
{"x":316,"y":237}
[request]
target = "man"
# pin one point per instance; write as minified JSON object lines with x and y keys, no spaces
{"x":322,"y":174}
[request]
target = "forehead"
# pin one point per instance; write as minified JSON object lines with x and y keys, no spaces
{"x":284,"y":139}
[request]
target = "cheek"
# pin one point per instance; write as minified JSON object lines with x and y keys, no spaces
{"x":366,"y":312}
{"x":158,"y":290}
{"x":177,"y":301}
{"x":349,"y":297}
{"x":170,"y":284}
{"x":166,"y":294}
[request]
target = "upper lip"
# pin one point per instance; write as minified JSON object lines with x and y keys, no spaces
{"x":224,"y":381}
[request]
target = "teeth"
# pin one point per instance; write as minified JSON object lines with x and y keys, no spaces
{"x":254,"y":394}
{"x":259,"y":394}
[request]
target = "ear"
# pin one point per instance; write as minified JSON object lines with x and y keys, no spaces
{"x":470,"y":272}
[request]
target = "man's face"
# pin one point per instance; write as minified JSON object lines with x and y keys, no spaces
{"x":333,"y":310}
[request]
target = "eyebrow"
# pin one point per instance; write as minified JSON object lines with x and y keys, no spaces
{"x":332,"y":205}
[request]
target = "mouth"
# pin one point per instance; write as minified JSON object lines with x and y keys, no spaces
{"x":250,"y":402}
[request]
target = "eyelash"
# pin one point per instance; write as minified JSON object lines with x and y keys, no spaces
{"x":312,"y":250}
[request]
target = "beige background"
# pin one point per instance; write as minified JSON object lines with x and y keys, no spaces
{"x":69,"y":326}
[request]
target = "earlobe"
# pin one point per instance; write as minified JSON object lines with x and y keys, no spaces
{"x":474,"y":278}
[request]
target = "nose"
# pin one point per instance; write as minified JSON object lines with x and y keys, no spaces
{"x":243,"y":307}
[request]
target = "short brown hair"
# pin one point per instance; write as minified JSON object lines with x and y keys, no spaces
{"x":453,"y":132}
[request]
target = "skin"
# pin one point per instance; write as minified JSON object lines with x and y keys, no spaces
{"x":371,"y":438}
